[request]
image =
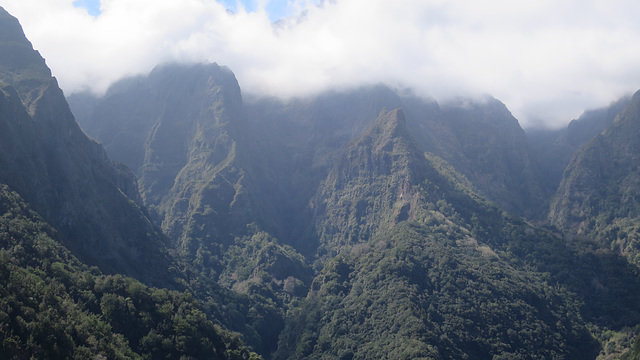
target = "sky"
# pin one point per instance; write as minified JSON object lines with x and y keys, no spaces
{"x":547,"y":60}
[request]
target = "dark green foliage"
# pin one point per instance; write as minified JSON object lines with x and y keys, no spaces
{"x":52,"y":306}
{"x":417,"y":292}
{"x":265,"y":278}
{"x":634,"y":352}
{"x":260,"y":261}
{"x":457,"y":239}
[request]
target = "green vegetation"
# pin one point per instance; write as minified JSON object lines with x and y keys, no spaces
{"x":301,"y":226}
{"x":633,"y":353}
{"x":52,"y":306}
{"x":257,"y":282}
{"x":598,"y":196}
{"x":420,"y":292}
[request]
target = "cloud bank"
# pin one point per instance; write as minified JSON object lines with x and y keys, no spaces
{"x":546,"y":60}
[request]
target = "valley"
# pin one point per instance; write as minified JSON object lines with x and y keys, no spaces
{"x":175,"y":217}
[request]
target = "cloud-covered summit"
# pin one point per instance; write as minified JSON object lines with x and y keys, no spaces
{"x":547,"y":60}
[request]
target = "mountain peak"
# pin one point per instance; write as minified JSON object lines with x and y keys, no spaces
{"x":21,"y":65}
{"x":392,"y":120}
{"x":390,"y":127}
{"x":630,"y":113}
{"x":65,"y":176}
{"x":390,"y":124}
{"x":372,"y":184}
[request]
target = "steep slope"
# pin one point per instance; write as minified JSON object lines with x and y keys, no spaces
{"x":298,"y":143}
{"x":492,"y":151}
{"x":598,"y":195}
{"x":182,"y":131}
{"x":53,"y":306}
{"x":554,"y":148}
{"x":292,"y":147}
{"x":44,"y":156}
{"x":480,"y":138}
{"x":422,"y":270}
{"x":381,"y":173}
{"x":372,"y":185}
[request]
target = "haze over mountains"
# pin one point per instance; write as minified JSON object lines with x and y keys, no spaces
{"x":353,"y":224}
{"x":547,"y":61}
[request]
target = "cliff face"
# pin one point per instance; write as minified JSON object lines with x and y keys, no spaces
{"x":179,"y":129}
{"x":492,"y":151}
{"x":65,"y":176}
{"x":598,"y":195}
{"x":554,"y":148}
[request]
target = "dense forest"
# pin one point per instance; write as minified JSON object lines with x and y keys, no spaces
{"x":174,"y":218}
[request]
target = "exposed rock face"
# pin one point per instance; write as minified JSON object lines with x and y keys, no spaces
{"x":64,"y":175}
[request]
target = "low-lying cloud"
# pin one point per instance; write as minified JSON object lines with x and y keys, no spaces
{"x":546,"y":60}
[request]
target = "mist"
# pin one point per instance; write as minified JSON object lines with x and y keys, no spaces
{"x":547,"y":61}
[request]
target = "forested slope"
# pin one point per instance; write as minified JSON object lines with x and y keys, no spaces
{"x":64,"y":175}
{"x":354,"y":224}
{"x":53,"y":306}
{"x":598,"y":195}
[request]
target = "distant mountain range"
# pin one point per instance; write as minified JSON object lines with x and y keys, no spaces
{"x":177,"y":219}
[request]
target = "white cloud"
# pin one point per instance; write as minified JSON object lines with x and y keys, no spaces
{"x":547,"y":60}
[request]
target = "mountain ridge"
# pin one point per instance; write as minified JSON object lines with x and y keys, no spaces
{"x":66,"y":176}
{"x":597,"y":194}
{"x":386,"y":148}
{"x":321,"y":227}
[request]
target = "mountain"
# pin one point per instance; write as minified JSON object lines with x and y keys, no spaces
{"x":294,"y":203}
{"x":372,"y":186}
{"x":479,"y":137}
{"x":555,"y":147}
{"x":298,"y":143}
{"x":183,"y":131}
{"x":66,"y":177}
{"x":284,"y":149}
{"x":411,"y":272}
{"x":96,"y":215}
{"x":53,"y":306}
{"x":484,"y":142}
{"x":178,"y":129}
{"x":598,"y":193}
{"x":352,"y":224}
